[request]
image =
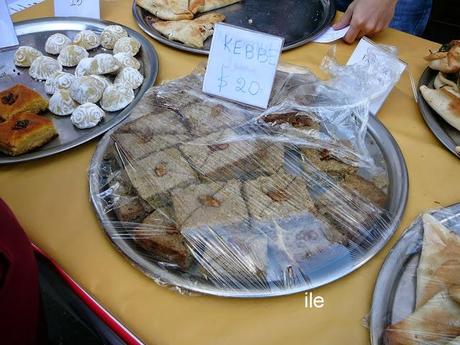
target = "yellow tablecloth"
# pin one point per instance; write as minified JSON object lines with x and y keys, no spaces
{"x":50,"y":198}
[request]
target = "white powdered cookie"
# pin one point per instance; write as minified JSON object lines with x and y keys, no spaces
{"x":87,"y":39}
{"x":129,"y":76}
{"x":44,"y":67}
{"x":25,"y":55}
{"x":116,"y":97}
{"x":59,"y":80}
{"x":112,"y":34}
{"x":56,"y":42}
{"x":87,"y":115}
{"x":61,"y":103}
{"x":71,"y":55}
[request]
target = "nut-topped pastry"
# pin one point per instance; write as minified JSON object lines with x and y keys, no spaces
{"x":19,"y":99}
{"x":155,"y":175}
{"x":209,"y":205}
{"x":25,"y":132}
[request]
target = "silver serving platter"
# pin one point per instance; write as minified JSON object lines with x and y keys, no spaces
{"x":446,"y":134}
{"x":34,"y":33}
{"x":394,"y":293}
{"x":298,"y":21}
{"x":381,"y":145}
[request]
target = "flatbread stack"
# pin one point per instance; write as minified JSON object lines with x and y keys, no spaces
{"x":436,"y":320}
{"x":445,"y":97}
{"x":178,"y":22}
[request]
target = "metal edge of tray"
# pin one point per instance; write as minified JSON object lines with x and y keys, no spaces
{"x":137,"y":13}
{"x":151,"y":64}
{"x":431,"y":118}
{"x":398,"y":176}
{"x":389,"y":273}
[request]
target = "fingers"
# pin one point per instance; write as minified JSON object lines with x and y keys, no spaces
{"x":352,"y":34}
{"x":345,"y":20}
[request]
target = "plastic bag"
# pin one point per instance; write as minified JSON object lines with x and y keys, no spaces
{"x":238,"y":199}
{"x":424,"y":307}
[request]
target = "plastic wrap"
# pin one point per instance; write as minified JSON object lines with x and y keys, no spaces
{"x":239,"y":199}
{"x":421,"y":278}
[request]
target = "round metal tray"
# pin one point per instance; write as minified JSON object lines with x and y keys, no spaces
{"x":446,"y":134}
{"x":394,"y":293}
{"x":298,"y":21}
{"x":35,"y":33}
{"x":384,"y":150}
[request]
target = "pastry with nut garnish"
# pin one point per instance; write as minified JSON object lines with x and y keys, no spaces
{"x":25,"y":132}
{"x":19,"y":99}
{"x":210,"y":205}
{"x":156,"y":175}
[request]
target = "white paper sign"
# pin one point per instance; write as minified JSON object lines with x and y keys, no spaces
{"x":20,"y":5}
{"x":331,"y":35}
{"x":8,"y":36}
{"x":77,"y":8}
{"x":242,"y":65}
{"x":359,"y":55}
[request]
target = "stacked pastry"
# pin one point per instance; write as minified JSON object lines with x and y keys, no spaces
{"x":445,"y":97}
{"x":204,"y":181}
{"x":436,"y":319}
{"x":178,"y":22}
{"x":103,"y":80}
{"x":22,"y":129}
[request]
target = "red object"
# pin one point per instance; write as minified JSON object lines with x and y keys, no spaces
{"x":103,"y":314}
{"x":21,"y":320}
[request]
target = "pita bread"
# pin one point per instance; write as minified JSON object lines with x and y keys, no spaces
{"x":454,"y":293}
{"x":209,"y":5}
{"x":435,"y":323}
{"x":192,"y":33}
{"x":446,"y":62}
{"x":441,"y":81}
{"x":439,"y":266}
{"x":446,"y":102}
{"x":456,"y":341}
{"x":167,"y":9}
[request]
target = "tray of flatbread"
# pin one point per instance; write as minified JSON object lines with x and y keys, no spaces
{"x":78,"y":77}
{"x":188,"y":25}
{"x":417,"y":294}
{"x":439,"y":95}
{"x":214,"y":197}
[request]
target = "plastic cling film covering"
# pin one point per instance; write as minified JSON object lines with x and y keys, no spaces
{"x":226,"y":196}
{"x":424,"y":307}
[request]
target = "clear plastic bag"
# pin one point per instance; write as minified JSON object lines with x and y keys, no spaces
{"x":424,"y":302}
{"x":240,"y":199}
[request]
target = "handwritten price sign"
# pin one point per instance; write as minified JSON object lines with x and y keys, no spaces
{"x":77,"y":8}
{"x":242,"y":65}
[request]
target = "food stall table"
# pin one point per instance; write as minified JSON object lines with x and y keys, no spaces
{"x":51,"y":200}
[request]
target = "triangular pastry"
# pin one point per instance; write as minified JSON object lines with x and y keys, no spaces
{"x":167,"y":9}
{"x":192,"y":33}
{"x":439,"y":266}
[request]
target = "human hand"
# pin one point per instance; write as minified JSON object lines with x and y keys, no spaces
{"x":366,"y":18}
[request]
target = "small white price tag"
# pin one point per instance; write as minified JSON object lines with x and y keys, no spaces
{"x":360,"y":54}
{"x":8,"y":36}
{"x":77,"y":8}
{"x":331,"y":35}
{"x":242,"y":65}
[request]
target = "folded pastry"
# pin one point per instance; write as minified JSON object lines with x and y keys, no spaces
{"x":446,"y":60}
{"x":24,"y":132}
{"x":167,"y":9}
{"x":192,"y":33}
{"x":436,"y":322}
{"x":439,"y":265}
{"x":445,"y":101}
{"x":19,"y":99}
{"x":196,"y":6}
